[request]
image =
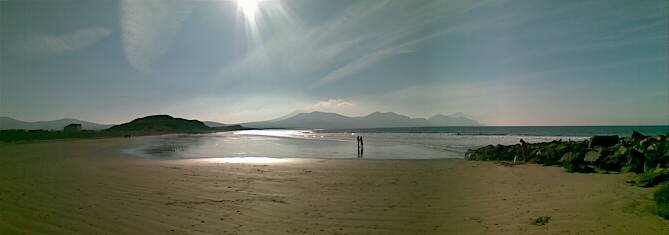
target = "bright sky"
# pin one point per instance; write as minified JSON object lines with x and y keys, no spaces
{"x":506,"y":62}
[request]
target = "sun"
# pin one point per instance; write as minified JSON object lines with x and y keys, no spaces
{"x":248,"y":8}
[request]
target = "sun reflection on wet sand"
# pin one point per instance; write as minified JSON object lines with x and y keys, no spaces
{"x":250,"y":160}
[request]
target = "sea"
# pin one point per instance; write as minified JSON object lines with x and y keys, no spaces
{"x":378,"y":143}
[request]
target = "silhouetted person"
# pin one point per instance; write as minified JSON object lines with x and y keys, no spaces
{"x":362,"y":147}
{"x":357,"y":138}
{"x":523,"y":147}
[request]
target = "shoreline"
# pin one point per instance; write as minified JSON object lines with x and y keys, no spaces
{"x":90,"y":186}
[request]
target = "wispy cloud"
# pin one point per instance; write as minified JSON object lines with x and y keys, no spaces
{"x":331,"y":103}
{"x":341,"y":106}
{"x":148,"y":27}
{"x":359,"y":37}
{"x":49,"y":44}
{"x":361,"y":63}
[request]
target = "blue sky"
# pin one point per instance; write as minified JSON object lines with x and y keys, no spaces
{"x":501,"y":62}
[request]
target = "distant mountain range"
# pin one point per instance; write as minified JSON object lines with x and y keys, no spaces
{"x":7,"y":123}
{"x":323,"y":120}
{"x":297,"y":119}
{"x":456,"y":119}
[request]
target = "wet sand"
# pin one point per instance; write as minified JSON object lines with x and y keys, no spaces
{"x":90,"y":186}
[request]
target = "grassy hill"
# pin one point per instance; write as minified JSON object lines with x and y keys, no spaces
{"x":161,"y":124}
{"x":150,"y":125}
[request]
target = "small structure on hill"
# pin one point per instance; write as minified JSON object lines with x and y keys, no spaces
{"x":72,"y":128}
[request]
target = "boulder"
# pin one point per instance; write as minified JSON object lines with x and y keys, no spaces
{"x":611,"y":153}
{"x":562,"y":148}
{"x":548,"y":156}
{"x":635,"y":161}
{"x":655,"y":149}
{"x":621,"y":151}
{"x":645,"y":143}
{"x":616,"y":158}
{"x":592,"y":156}
{"x":653,"y":156}
{"x":573,"y":162}
{"x":638,"y":136}
{"x":603,"y":140}
{"x":568,"y":157}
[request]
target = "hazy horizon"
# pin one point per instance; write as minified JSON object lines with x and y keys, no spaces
{"x":504,"y":63}
{"x":352,"y":116}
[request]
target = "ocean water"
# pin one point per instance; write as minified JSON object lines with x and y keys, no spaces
{"x":583,"y":131}
{"x":386,"y":143}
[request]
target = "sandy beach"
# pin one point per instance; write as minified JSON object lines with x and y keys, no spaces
{"x":92,"y":187}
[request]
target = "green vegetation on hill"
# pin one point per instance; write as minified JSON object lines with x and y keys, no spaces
{"x":150,"y":125}
{"x":161,"y":124}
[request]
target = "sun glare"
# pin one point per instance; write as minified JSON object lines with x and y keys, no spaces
{"x":248,"y":8}
{"x":253,"y":15}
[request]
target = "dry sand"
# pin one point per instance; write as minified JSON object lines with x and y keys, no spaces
{"x":91,"y":187}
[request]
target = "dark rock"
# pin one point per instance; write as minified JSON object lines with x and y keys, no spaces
{"x":609,"y":153}
{"x":573,"y":162}
{"x":592,"y":156}
{"x":542,"y":220}
{"x":653,"y":155}
{"x":637,"y":135}
{"x":567,"y":157}
{"x":645,"y":143}
{"x":546,"y":157}
{"x":616,"y":159}
{"x":604,"y":140}
{"x":635,"y":161}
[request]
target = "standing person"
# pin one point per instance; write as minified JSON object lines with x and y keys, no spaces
{"x":362,"y":147}
{"x":523,"y":146}
{"x":357,"y":138}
